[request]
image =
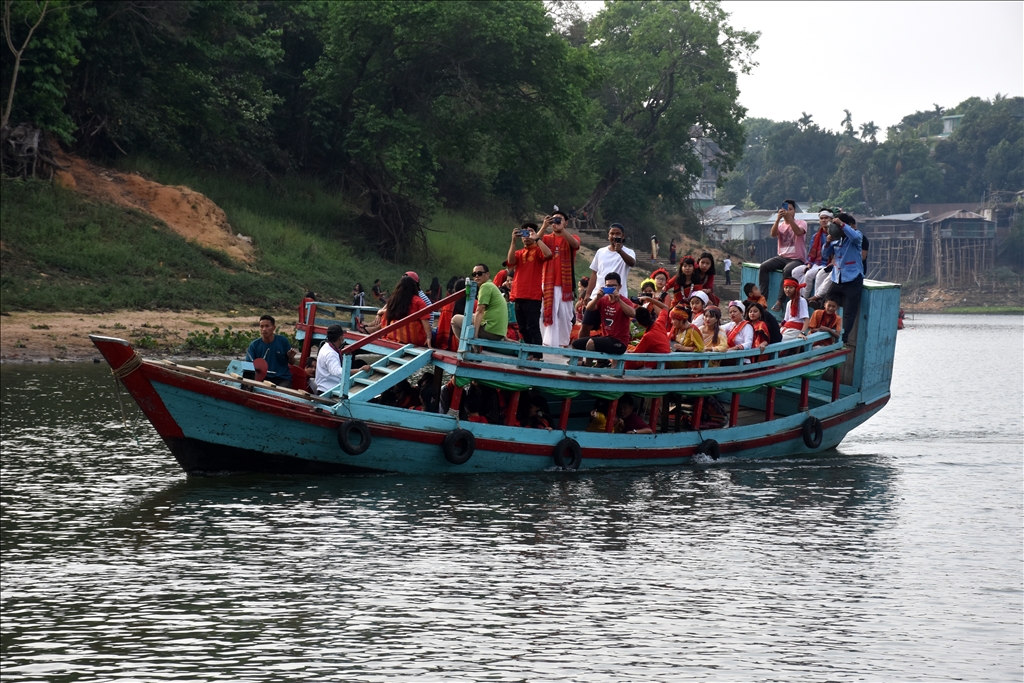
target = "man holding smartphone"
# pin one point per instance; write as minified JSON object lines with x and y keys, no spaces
{"x":792,"y":235}
{"x":527,"y":292}
{"x":557,"y":279}
{"x":613,"y":311}
{"x":615,"y":258}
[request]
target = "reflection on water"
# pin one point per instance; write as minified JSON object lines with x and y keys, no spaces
{"x":898,"y":557}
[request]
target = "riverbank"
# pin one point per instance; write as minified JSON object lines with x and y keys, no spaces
{"x":33,"y":337}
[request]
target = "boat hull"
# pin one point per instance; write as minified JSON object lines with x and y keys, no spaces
{"x":227,"y":429}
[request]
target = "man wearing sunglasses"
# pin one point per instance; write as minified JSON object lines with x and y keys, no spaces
{"x":491,"y":316}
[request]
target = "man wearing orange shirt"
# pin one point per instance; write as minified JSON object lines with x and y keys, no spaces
{"x":527,"y":287}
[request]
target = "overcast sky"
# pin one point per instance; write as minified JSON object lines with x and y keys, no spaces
{"x":880,"y":60}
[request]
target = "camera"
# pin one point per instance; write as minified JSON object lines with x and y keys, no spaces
{"x":557,"y":220}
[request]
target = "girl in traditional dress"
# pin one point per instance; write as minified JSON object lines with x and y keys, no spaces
{"x":738,"y":332}
{"x":687,"y":281}
{"x":698,"y":302}
{"x":714,"y":337}
{"x":796,"y":310}
{"x":756,"y":314}
{"x":706,"y":268}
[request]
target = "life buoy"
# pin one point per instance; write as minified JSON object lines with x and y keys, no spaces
{"x":458,"y":446}
{"x":709,"y":447}
{"x":568,"y":454}
{"x":345,"y":437}
{"x":812,"y":432}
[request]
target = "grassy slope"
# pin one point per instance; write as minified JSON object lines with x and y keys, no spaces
{"x":61,"y":252}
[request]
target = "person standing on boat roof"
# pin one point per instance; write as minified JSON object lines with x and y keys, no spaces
{"x":274,"y":349}
{"x":844,"y":248}
{"x":557,"y":280}
{"x":491,"y":317}
{"x":792,"y":236}
{"x":528,"y":286}
{"x":615,"y":258}
{"x":614,"y":313}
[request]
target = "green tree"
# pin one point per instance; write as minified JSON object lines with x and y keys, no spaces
{"x":668,"y":73}
{"x":44,"y":42}
{"x":869,"y":130}
{"x":178,"y":79}
{"x":406,"y":91}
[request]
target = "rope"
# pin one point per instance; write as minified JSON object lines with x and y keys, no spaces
{"x":130,"y":366}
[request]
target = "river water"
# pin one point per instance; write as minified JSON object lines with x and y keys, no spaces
{"x":896,"y":557}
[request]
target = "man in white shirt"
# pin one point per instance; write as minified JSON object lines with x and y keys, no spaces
{"x":615,"y":258}
{"x":328,"y":361}
{"x":727,"y":266}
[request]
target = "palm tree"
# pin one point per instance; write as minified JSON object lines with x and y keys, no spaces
{"x":847,"y":122}
{"x":804,"y":121}
{"x":869,"y":130}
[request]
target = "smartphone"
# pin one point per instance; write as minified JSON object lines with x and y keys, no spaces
{"x":608,"y":290}
{"x":524,"y":233}
{"x":618,"y":240}
{"x":557,"y":220}
{"x":783,"y":206}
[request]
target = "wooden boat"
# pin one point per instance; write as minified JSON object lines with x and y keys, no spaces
{"x":794,"y":398}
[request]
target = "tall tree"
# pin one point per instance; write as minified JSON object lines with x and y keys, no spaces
{"x":668,"y":74}
{"x":406,"y":90}
{"x":868,"y":130}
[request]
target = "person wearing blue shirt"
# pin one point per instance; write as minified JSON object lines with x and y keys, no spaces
{"x":273,"y":348}
{"x":844,"y":248}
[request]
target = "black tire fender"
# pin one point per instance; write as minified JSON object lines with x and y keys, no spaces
{"x":345,"y":437}
{"x":568,"y":454}
{"x":812,"y":432}
{"x":458,"y":446}
{"x":709,"y":447}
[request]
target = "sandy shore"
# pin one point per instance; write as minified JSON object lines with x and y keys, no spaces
{"x":29,"y":337}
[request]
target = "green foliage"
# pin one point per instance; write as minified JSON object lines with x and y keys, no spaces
{"x":47,"y":63}
{"x":667,"y":73}
{"x":407,"y":92}
{"x":228,"y":342}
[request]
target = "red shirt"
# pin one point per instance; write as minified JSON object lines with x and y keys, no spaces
{"x":413,"y":333}
{"x":655,"y":340}
{"x":614,"y":321}
{"x":527,"y":284}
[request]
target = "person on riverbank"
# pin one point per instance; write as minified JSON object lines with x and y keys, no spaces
{"x":844,"y":248}
{"x":490,"y":320}
{"x":557,"y":279}
{"x":614,"y":313}
{"x":274,"y":349}
{"x":615,"y":258}
{"x":527,"y":292}
{"x":672,"y":252}
{"x":358,"y":299}
{"x":792,"y":251}
{"x":655,"y":244}
{"x":727,"y":267}
{"x":379,"y":294}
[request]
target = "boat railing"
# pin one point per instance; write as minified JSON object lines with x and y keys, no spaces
{"x":665,"y":364}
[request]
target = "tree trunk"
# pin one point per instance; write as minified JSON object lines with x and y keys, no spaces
{"x":604,"y":186}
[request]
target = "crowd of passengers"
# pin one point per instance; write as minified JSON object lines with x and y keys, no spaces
{"x":535,"y":299}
